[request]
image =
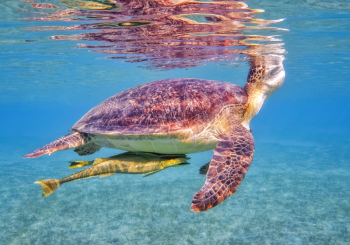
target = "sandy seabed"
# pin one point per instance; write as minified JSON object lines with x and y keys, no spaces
{"x":294,"y":193}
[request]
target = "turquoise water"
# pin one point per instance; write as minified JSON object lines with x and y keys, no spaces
{"x":295,"y":192}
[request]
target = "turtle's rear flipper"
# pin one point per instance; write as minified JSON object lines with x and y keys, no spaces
{"x":87,"y":149}
{"x":232,"y":157}
{"x":66,"y":142}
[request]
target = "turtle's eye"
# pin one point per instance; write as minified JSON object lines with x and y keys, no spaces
{"x":275,"y":71}
{"x":274,"y":78}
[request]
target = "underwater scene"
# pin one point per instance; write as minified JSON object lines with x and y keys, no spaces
{"x":174,"y":122}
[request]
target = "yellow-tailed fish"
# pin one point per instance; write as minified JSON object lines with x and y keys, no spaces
{"x":127,"y":163}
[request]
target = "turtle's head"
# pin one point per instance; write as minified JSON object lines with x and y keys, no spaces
{"x":274,"y":74}
{"x":266,"y":76}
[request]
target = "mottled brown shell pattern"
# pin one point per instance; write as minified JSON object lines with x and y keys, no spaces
{"x":161,"y":107}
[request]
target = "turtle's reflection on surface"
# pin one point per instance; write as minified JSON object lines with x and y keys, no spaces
{"x":164,"y":34}
{"x":126,"y":163}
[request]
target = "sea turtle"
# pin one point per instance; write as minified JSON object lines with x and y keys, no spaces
{"x":181,"y":116}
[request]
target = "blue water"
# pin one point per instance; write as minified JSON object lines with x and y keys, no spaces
{"x":296,"y":191}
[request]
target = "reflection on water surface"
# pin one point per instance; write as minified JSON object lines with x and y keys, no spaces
{"x":166,"y":34}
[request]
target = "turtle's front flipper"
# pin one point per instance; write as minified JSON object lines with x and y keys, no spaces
{"x":232,"y":157}
{"x":66,"y":142}
{"x":204,"y":169}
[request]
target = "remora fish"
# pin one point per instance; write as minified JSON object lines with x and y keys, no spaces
{"x":127,"y":163}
